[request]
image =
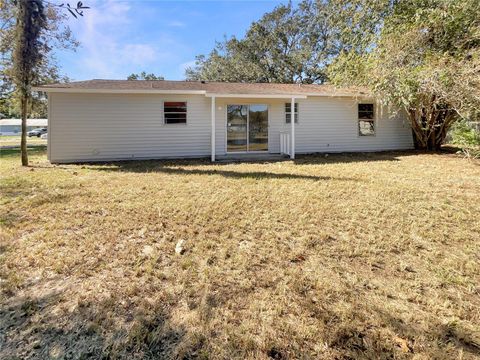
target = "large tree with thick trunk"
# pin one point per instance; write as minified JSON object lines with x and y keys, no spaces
{"x":31,"y":20}
{"x":55,"y":35}
{"x":425,"y":61}
{"x":30,"y":30}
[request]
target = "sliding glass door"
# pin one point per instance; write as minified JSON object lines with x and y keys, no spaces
{"x":247,"y":128}
{"x":258,"y":128}
{"x":237,"y":120}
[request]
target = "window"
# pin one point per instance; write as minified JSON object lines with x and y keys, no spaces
{"x":175,"y":112}
{"x":366,"y":120}
{"x":288,"y":112}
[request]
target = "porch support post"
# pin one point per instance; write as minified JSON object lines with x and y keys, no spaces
{"x":213,"y":129}
{"x":292,"y":122}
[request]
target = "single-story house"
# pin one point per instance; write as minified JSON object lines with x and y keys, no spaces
{"x":100,"y":120}
{"x":14,"y":126}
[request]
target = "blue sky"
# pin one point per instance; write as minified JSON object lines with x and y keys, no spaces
{"x":121,"y":37}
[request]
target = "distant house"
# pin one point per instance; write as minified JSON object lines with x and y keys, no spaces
{"x":14,"y":126}
{"x":100,"y":120}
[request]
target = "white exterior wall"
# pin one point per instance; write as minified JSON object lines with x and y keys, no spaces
{"x":325,"y":124}
{"x":89,"y":127}
{"x":331,"y":125}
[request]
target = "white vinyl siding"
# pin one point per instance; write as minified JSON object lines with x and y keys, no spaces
{"x":125,"y":126}
{"x":330,"y":124}
{"x":89,"y":127}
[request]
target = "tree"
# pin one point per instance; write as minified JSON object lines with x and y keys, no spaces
{"x":26,"y":57}
{"x":292,"y":44}
{"x":29,"y":57}
{"x":144,"y":76}
{"x":286,"y":45}
{"x":426,"y":62}
{"x":55,"y":35}
{"x":420,"y":56}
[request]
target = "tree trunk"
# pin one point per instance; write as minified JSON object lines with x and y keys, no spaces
{"x":27,"y":56}
{"x":428,"y":142}
{"x":23,"y":142}
{"x":429,"y":126}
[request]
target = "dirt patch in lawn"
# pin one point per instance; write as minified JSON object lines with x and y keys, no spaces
{"x":345,"y":256}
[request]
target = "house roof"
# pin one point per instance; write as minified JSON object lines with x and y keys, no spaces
{"x":207,"y":88}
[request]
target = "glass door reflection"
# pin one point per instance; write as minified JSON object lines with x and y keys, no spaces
{"x":258,"y":128}
{"x":247,"y":128}
{"x":237,"y":119}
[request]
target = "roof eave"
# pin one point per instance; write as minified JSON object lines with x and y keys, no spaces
{"x":116,"y":91}
{"x":361,"y":95}
{"x":192,"y":92}
{"x":259,"y":96}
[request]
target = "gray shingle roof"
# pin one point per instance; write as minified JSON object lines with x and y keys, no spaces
{"x":208,"y":87}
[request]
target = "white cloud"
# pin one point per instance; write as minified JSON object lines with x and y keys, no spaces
{"x":176,"y":23}
{"x":186,"y":65}
{"x":139,"y":54}
{"x":119,"y":38}
{"x":106,"y":47}
{"x":183,"y":67}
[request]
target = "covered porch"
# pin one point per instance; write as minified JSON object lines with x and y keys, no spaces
{"x":252,"y":127}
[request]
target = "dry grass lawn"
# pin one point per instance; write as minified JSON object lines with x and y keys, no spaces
{"x":340,"y":257}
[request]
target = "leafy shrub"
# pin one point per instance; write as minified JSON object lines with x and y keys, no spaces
{"x":464,"y":134}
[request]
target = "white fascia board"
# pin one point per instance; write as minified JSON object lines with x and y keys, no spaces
{"x":256,"y":96}
{"x":118,"y":91}
{"x":359,"y":96}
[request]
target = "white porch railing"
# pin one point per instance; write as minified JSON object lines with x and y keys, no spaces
{"x":285,"y":143}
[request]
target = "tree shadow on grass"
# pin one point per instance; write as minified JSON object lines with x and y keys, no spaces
{"x":159,"y":167}
{"x":37,"y":328}
{"x":31,"y":193}
{"x":12,"y":151}
{"x":181,"y":167}
{"x":391,"y":337}
{"x":442,"y":334}
{"x":194,"y":167}
{"x":18,"y":188}
{"x":47,"y":327}
{"x":353,"y":157}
